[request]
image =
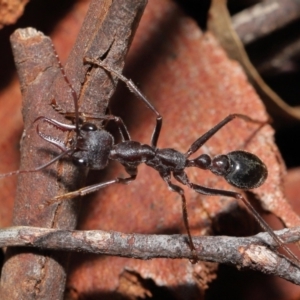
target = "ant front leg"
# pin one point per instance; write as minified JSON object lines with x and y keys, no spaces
{"x":134,"y":89}
{"x":95,"y":187}
{"x":205,"y":137}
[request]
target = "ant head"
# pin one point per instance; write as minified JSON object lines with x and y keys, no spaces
{"x":241,"y":169}
{"x":92,"y":147}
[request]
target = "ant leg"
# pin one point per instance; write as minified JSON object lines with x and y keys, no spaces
{"x":95,"y":187}
{"x":182,"y":178}
{"x":179,"y":190}
{"x":206,"y":136}
{"x":134,"y":89}
{"x":74,"y":95}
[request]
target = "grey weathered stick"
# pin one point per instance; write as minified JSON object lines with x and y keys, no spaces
{"x":246,"y":252}
{"x":36,"y":274}
{"x":264,"y":18}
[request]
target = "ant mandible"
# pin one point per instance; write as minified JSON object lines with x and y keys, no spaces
{"x":92,"y":147}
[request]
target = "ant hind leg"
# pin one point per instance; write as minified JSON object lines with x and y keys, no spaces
{"x":206,"y":136}
{"x":215,"y":192}
{"x":177,"y":189}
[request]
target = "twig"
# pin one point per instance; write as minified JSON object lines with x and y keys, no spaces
{"x":244,"y":252}
{"x":264,"y":18}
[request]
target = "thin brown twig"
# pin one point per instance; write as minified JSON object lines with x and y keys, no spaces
{"x":254,"y":252}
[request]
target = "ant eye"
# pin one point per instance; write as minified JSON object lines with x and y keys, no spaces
{"x":80,"y":162}
{"x":89,"y":127}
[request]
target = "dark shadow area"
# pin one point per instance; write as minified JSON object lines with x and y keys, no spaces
{"x":196,"y":9}
{"x":261,"y":53}
{"x":158,"y":293}
{"x":236,"y":220}
{"x":42,"y":15}
{"x":136,"y":282}
{"x":287,"y":86}
{"x":234,"y":284}
{"x":236,"y":6}
{"x":1,"y":260}
{"x":287,"y":141}
{"x":263,"y":49}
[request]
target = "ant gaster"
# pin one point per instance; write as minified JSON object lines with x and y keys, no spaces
{"x":93,"y":148}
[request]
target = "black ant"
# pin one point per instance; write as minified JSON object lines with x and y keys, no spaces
{"x":93,"y":147}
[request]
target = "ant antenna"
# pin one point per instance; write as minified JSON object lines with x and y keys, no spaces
{"x":67,"y":152}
